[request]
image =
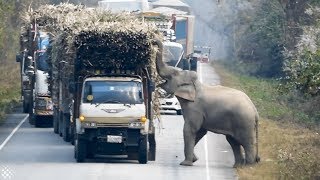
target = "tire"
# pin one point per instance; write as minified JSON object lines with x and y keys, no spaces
{"x":143,"y":150}
{"x":179,"y":112}
{"x":80,"y":150}
{"x":66,"y":128}
{"x":72,"y":133}
{"x":60,"y":116}
{"x":152,"y":147}
{"x":31,"y":115}
{"x":37,"y":121}
{"x":31,"y":119}
{"x":55,"y":124}
{"x":25,"y":107}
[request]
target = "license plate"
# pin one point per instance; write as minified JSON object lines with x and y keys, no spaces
{"x":114,"y":139}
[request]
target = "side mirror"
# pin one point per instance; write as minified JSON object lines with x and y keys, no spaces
{"x":30,"y":71}
{"x":140,"y":95}
{"x":72,"y":87}
{"x":152,"y":86}
{"x":18,"y":58}
{"x":186,"y":64}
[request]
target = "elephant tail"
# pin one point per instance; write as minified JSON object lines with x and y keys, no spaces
{"x":257,"y":125}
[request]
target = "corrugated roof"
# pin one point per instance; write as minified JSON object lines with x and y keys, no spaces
{"x":167,"y":11}
{"x":170,"y":3}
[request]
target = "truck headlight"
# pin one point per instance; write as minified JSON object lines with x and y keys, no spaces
{"x":136,"y":125}
{"x":81,"y":118}
{"x":49,"y":105}
{"x":143,"y":119}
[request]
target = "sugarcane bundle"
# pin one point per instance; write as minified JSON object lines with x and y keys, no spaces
{"x":86,"y":38}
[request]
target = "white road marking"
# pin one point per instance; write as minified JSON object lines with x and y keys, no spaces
{"x":12,"y":133}
{"x":205,"y":137}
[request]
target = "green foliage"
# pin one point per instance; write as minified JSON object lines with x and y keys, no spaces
{"x":302,"y":65}
{"x":303,"y":72}
{"x":262,"y":42}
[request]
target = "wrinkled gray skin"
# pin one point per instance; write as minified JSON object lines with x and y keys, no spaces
{"x":217,"y":109}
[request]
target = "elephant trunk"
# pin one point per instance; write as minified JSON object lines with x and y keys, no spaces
{"x":163,"y":69}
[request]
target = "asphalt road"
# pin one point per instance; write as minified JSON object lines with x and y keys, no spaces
{"x":38,"y":153}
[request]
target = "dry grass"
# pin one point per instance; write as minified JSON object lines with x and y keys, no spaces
{"x":287,"y":150}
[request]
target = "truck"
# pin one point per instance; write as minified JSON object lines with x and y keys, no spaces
{"x":102,"y":82}
{"x":33,"y":59}
{"x":175,"y":21}
{"x":109,"y":111}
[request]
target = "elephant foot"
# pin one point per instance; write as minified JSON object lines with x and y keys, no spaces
{"x":186,"y":163}
{"x":239,"y":163}
{"x":195,"y":158}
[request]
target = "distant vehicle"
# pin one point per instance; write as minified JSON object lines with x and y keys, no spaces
{"x":205,"y":58}
{"x":34,"y":63}
{"x":176,"y":4}
{"x":171,"y":104}
{"x":124,"y":5}
{"x":173,"y":53}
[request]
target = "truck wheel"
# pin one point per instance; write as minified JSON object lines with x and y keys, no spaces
{"x":143,"y":150}
{"x":37,"y":121}
{"x":25,"y":107}
{"x":72,"y":133}
{"x":152,"y":147}
{"x":80,"y":150}
{"x":60,"y":116}
{"x":179,"y":112}
{"x":65,"y":128}
{"x":31,"y":115}
{"x":31,"y":119}
{"x":55,"y":125}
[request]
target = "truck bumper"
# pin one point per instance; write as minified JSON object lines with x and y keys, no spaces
{"x":112,"y":141}
{"x":43,"y":112}
{"x":26,"y":96}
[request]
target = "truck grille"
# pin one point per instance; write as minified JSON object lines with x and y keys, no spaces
{"x":112,"y":125}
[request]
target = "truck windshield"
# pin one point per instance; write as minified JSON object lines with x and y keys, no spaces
{"x":122,"y":92}
{"x":172,"y":55}
{"x":42,"y":59}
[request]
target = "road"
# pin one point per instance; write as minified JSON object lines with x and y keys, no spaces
{"x":38,"y":153}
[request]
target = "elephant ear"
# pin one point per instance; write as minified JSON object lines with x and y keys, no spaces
{"x":187,"y":89}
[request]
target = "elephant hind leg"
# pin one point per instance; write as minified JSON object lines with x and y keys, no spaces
{"x":236,"y":148}
{"x":250,"y":153}
{"x":199,"y":136}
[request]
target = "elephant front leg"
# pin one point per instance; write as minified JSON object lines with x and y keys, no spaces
{"x":202,"y":132}
{"x":189,"y":137}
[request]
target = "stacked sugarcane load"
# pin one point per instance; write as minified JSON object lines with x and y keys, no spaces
{"x":83,"y":39}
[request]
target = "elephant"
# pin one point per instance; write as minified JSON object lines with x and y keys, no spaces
{"x":218,"y":109}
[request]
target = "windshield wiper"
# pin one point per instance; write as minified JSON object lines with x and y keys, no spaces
{"x":108,"y":101}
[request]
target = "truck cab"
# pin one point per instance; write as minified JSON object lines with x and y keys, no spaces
{"x":112,"y":118}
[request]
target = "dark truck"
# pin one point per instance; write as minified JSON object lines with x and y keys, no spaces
{"x":33,"y":59}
